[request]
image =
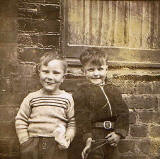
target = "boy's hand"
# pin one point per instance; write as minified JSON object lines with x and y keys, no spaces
{"x":61,"y":147}
{"x":113,"y":139}
{"x":86,"y":151}
{"x":87,"y":148}
{"x":69,"y":138}
{"x":70,"y":135}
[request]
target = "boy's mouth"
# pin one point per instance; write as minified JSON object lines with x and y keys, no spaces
{"x":50,"y":83}
{"x":96,"y":78}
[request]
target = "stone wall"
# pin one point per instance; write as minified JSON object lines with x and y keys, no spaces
{"x":31,"y":27}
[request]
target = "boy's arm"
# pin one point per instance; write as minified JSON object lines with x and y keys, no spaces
{"x":21,"y":121}
{"x":82,"y":113}
{"x":71,"y":127}
{"x":122,"y":112}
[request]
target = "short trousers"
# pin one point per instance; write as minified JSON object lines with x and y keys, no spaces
{"x":42,"y":148}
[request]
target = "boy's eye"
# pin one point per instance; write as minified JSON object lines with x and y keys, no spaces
{"x":56,"y":72}
{"x":90,"y":69}
{"x":45,"y":71}
{"x":100,"y":68}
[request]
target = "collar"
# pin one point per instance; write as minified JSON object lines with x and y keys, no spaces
{"x":99,"y":85}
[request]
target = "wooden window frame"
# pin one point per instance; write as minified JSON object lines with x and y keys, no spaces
{"x":150,"y":58}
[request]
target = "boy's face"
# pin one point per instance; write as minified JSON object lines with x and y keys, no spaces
{"x":51,"y":76}
{"x":96,"y":74}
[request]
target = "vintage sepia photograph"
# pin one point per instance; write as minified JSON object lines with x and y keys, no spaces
{"x":79,"y":79}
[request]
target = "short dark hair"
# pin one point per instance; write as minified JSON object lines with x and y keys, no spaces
{"x":49,"y":56}
{"x":94,"y":56}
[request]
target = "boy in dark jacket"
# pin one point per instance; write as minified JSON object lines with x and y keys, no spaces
{"x":102,"y":116}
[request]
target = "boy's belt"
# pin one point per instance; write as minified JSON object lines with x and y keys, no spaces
{"x":106,"y":125}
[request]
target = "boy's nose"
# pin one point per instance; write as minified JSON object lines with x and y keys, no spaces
{"x":50,"y":77}
{"x":96,"y":73}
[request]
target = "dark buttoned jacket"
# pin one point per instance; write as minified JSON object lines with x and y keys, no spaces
{"x":91,"y":106}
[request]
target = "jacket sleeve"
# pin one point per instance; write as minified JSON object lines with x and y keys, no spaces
{"x":82,"y":113}
{"x":21,"y":120}
{"x":122,"y":115}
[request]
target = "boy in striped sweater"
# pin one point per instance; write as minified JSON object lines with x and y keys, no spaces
{"x":45,"y":122}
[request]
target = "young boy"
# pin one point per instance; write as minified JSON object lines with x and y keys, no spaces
{"x":102,"y":116}
{"x":45,"y":122}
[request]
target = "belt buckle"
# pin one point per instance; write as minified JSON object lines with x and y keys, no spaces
{"x":107,"y":125}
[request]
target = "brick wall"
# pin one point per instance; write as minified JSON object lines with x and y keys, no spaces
{"x":8,"y":69}
{"x":28,"y":29}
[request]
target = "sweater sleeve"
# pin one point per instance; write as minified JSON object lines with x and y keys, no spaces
{"x":21,"y":120}
{"x":82,"y":113}
{"x":122,"y":113}
{"x":71,"y":127}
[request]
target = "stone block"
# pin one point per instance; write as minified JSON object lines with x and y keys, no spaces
{"x":39,"y":11}
{"x":8,"y":53}
{"x":28,"y":39}
{"x":11,"y":156}
{"x":7,"y":130}
{"x":27,"y":70}
{"x":134,"y":157}
{"x":137,"y":87}
{"x":8,"y":24}
{"x":9,"y":146}
{"x":156,"y":87}
{"x":8,"y":37}
{"x":149,"y":117}
{"x":50,"y":26}
{"x":155,"y":146}
{"x":126,"y":146}
{"x":143,"y":87}
{"x":142,"y":101}
{"x":132,"y":117}
{"x":14,"y":145}
{"x":10,"y":99}
{"x":18,"y":84}
{"x":52,"y":1}
{"x":154,"y":131}
{"x":50,"y":12}
{"x":7,"y":114}
{"x":49,"y":40}
{"x":32,"y":84}
{"x":158,"y":98}
{"x":126,"y":86}
{"x":39,"y":1}
{"x":32,"y":25}
{"x":30,"y":54}
{"x":8,"y":8}
{"x":144,"y":146}
{"x":5,"y":84}
{"x":7,"y":69}
{"x":4,"y":146}
{"x":138,"y":131}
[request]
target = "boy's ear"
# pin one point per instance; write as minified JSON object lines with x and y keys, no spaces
{"x":107,"y":67}
{"x":82,"y":69}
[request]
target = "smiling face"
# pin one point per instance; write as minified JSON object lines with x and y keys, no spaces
{"x":51,"y":76}
{"x":96,"y":74}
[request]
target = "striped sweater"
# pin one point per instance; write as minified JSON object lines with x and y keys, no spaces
{"x":42,"y":115}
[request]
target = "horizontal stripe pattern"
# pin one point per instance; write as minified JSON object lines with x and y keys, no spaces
{"x":50,"y":101}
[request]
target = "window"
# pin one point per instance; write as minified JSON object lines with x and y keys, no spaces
{"x":129,"y":31}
